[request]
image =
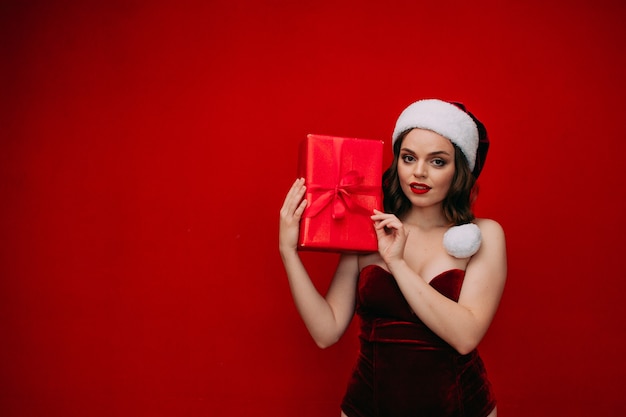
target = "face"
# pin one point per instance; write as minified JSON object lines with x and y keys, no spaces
{"x":425,"y":167}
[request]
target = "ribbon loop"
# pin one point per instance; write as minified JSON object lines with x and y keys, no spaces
{"x":340,"y":196}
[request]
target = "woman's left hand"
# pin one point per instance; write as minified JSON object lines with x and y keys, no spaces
{"x":391,"y":236}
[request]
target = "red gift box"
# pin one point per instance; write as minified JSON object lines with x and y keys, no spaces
{"x":343,"y":177}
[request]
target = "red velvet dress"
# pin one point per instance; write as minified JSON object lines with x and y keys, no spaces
{"x":403,"y":368}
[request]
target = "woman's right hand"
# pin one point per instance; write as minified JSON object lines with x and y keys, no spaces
{"x":290,"y":215}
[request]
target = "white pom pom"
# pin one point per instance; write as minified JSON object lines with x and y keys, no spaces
{"x":462,"y":241}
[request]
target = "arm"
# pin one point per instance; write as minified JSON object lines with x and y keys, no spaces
{"x":461,"y":324}
{"x":327,"y":317}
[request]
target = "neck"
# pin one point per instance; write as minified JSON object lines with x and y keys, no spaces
{"x":426,"y":217}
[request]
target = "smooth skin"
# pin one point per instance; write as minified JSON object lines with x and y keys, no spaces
{"x":411,"y":249}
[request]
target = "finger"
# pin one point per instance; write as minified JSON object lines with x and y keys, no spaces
{"x":377,"y":217}
{"x":294,"y":195}
{"x":298,"y":212}
{"x":390,"y":223}
{"x":296,"y":201}
{"x":381,"y":233}
{"x":380,"y":215}
{"x":295,"y":187}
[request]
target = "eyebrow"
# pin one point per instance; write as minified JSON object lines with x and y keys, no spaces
{"x":430,"y":154}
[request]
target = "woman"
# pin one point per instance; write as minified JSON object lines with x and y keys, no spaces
{"x":424,"y":305}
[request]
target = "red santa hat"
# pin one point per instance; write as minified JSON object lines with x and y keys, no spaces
{"x":452,"y":121}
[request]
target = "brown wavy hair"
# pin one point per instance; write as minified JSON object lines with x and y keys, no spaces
{"x":457,"y":206}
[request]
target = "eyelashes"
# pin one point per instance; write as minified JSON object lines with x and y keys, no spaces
{"x":437,"y":162}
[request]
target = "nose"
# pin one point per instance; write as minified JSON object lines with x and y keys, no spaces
{"x":420,"y":170}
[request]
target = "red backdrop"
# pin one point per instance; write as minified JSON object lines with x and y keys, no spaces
{"x":146,"y":147}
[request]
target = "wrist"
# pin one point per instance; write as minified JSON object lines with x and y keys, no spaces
{"x":396,"y":265}
{"x":287,"y":251}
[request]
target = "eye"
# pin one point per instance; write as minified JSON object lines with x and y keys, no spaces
{"x":438,"y":162}
{"x":407,"y":158}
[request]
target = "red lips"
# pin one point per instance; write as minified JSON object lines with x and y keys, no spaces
{"x":419,"y":188}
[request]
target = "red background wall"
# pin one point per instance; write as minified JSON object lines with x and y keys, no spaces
{"x":146,"y":147}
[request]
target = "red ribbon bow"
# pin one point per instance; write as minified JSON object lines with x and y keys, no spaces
{"x":341,"y":196}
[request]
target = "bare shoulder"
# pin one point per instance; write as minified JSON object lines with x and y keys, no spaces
{"x":492,"y":252}
{"x":487,"y":269}
{"x":490,"y":229}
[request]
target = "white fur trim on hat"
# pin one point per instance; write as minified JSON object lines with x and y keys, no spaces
{"x":445,"y":119}
{"x":462,"y":241}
